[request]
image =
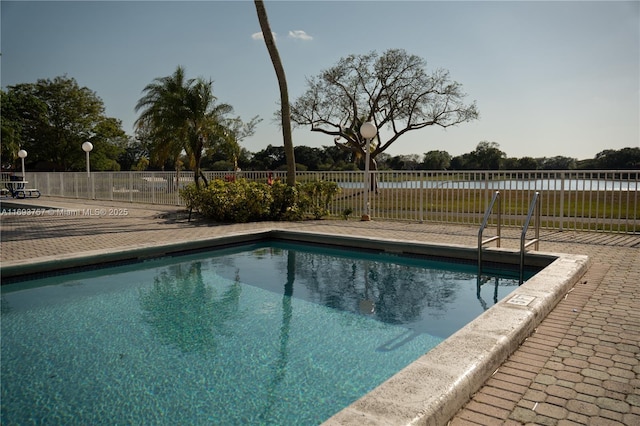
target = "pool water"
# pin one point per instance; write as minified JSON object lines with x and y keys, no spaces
{"x":271,"y":333}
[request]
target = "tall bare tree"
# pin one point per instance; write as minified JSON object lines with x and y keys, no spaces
{"x":392,"y":89}
{"x":284,"y":91}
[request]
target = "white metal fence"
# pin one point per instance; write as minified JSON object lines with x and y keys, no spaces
{"x":578,"y":200}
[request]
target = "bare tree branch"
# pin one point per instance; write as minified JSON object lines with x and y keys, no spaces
{"x":393,"y":90}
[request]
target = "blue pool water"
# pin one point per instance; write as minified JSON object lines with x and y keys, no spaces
{"x":266,"y":334}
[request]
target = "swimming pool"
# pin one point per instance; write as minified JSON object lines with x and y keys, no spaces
{"x":270,"y":333}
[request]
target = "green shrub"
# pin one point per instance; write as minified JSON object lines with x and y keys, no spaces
{"x":190,"y":194}
{"x":242,"y":201}
{"x":346,"y":213}
{"x":285,"y":202}
{"x":316,"y":197}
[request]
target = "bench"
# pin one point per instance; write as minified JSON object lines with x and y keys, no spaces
{"x":17,"y":189}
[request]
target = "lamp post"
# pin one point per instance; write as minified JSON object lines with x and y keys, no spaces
{"x":87,"y":147}
{"x":368,"y":131}
{"x":22,"y":154}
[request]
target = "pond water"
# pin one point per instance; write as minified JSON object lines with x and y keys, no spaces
{"x":513,"y":184}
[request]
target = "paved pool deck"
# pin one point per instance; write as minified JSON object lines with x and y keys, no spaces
{"x":580,"y":366}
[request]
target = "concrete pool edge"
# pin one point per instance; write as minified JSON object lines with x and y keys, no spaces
{"x":56,"y":262}
{"x":434,"y":387}
{"x":13,"y":269}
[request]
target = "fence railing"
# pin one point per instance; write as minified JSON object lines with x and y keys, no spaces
{"x":572,"y":200}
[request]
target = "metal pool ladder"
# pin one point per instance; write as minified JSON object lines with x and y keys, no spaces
{"x":485,"y":221}
{"x":534,"y":210}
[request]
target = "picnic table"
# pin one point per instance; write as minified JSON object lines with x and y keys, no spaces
{"x":16,"y":187}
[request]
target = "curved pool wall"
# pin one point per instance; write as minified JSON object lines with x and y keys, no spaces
{"x":433,"y":388}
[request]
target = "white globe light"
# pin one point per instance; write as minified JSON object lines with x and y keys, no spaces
{"x":22,"y":153}
{"x":368,"y":130}
{"x":87,"y":146}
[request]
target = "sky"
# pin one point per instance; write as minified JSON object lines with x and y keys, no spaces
{"x":549,"y":77}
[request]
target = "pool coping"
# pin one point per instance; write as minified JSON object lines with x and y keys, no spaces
{"x":435,"y":386}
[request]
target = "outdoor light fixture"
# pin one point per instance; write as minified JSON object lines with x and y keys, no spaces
{"x":87,"y":147}
{"x":22,"y":154}
{"x":368,"y":131}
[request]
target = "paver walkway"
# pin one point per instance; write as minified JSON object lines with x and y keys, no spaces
{"x":581,"y":366}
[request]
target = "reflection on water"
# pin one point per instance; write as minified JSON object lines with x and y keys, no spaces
{"x":187,"y":313}
{"x":483,"y":281}
{"x":190,"y":313}
{"x":280,"y":366}
{"x":420,"y":295}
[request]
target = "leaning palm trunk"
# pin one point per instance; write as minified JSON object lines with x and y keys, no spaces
{"x":284,"y":92}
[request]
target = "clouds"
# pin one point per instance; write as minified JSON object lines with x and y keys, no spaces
{"x":295,"y":34}
{"x":300,"y":35}
{"x":259,"y":36}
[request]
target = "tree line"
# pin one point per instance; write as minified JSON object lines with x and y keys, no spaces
{"x":182,"y":125}
{"x":486,"y":156}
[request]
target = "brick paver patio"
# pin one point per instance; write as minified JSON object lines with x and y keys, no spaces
{"x":581,"y":366}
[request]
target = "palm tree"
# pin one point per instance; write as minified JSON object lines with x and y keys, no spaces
{"x":181,"y":115}
{"x":160,"y":146}
{"x":285,"y":114}
{"x":157,"y":122}
{"x":203,"y":121}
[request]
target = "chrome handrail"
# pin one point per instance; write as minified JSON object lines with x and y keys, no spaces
{"x":485,"y":220}
{"x":534,"y":207}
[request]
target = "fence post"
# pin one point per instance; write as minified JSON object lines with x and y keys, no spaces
{"x":131,"y":187}
{"x":153,"y":187}
{"x":110,"y":183}
{"x":486,"y":189}
{"x":561,"y":201}
{"x":176,"y":189}
{"x":421,"y":203}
